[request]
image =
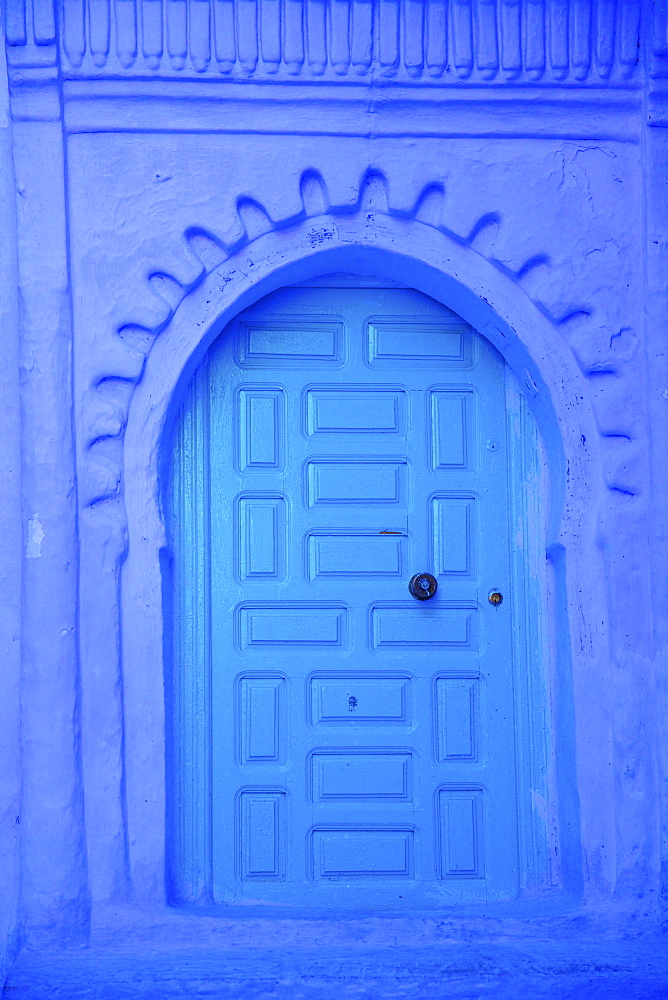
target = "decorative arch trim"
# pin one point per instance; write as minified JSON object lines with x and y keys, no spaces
{"x":110,"y":394}
{"x":416,"y":250}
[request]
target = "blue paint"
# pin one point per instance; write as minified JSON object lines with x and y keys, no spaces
{"x":355,"y":744}
{"x":165,"y":166}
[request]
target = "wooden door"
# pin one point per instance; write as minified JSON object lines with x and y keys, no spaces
{"x":343,"y":744}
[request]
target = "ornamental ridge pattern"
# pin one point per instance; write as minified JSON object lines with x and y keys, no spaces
{"x":577,"y":42}
{"x":110,"y":394}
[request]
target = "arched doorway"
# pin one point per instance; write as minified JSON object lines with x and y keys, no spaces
{"x":336,"y":742}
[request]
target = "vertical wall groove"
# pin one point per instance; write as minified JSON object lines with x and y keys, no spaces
{"x":43,"y":22}
{"x":580,"y":37}
{"x":534,"y":57}
{"x":177,"y":32}
{"x":317,"y":36}
{"x":152,"y":32}
{"x":559,"y":38}
{"x":270,"y":28}
{"x":98,"y":30}
{"x":126,"y":32}
{"x":340,"y":36}
{"x":362,"y":35}
{"x":293,"y":45}
{"x":225,"y":46}
{"x":15,"y":23}
{"x":437,"y":37}
{"x":388,"y":45}
{"x":191,"y":685}
{"x":462,"y":37}
{"x":247,"y":34}
{"x":199,"y":31}
{"x":413,"y":28}
{"x":74,"y":39}
{"x":487,"y":54}
{"x":527,"y":470}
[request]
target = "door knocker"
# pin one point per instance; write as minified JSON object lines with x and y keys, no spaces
{"x":423,"y":586}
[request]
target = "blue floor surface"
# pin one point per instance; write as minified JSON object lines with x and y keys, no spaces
{"x":501,"y":970}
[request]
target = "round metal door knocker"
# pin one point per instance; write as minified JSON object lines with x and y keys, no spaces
{"x":423,"y":586}
{"x":495,"y":597}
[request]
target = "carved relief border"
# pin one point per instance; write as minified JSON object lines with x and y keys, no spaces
{"x":602,"y":355}
{"x":446,"y":41}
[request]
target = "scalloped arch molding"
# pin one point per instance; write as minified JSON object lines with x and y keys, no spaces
{"x":598,"y":355}
{"x":415,"y":247}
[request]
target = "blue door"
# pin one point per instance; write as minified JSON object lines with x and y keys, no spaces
{"x":339,"y":742}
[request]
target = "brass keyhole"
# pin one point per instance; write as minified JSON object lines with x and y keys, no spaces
{"x":495,"y":597}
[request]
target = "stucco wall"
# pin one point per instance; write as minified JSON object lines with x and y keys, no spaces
{"x":150,"y":208}
{"x":10,"y":543}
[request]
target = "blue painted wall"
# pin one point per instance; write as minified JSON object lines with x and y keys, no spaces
{"x":168,"y":164}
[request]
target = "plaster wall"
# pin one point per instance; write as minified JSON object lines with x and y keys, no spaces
{"x":10,"y":545}
{"x":150,"y":210}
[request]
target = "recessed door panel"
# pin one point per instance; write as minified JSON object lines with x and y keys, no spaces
{"x":261,"y":719}
{"x":362,"y":854}
{"x":260,"y":429}
{"x":440,"y":343}
{"x":361,"y":482}
{"x":457,"y":718}
{"x":260,"y":534}
{"x":409,"y":625}
{"x":361,"y":775}
{"x":291,"y":624}
{"x":293,"y":342}
{"x":360,"y":410}
{"x":461,"y":833}
{"x":261,"y":834}
{"x":453,"y":534}
{"x":450,"y":426}
{"x":357,"y":744}
{"x":358,"y":699}
{"x":360,"y":553}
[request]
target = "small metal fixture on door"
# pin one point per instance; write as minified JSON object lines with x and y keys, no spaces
{"x":422,"y":586}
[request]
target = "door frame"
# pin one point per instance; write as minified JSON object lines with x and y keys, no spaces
{"x":493,"y":302}
{"x":191,"y":781}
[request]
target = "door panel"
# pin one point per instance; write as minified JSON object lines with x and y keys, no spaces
{"x":361,"y":742}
